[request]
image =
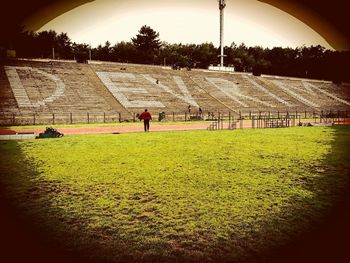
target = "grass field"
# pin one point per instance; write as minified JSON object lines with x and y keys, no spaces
{"x":178,"y":196}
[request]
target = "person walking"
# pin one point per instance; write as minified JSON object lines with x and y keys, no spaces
{"x":146,"y":117}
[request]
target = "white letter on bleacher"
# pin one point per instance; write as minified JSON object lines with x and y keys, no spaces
{"x":186,"y":97}
{"x":232,"y":90}
{"x":17,"y":88}
{"x":126,"y":83}
{"x":20,"y":92}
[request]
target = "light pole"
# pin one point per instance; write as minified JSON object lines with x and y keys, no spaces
{"x":222,"y":5}
{"x":90,"y":52}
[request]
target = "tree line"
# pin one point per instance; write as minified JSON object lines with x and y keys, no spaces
{"x":146,"y":48}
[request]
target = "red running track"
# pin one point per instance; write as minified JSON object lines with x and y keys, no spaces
{"x":113,"y":129}
{"x":130,"y":128}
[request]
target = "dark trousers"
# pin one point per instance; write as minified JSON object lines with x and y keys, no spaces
{"x":146,"y":125}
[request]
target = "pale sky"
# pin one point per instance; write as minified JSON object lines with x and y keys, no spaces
{"x":185,"y":21}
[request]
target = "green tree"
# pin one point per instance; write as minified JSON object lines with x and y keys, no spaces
{"x":178,"y":54}
{"x":311,"y":58}
{"x":81,"y":52}
{"x":206,"y":54}
{"x":26,"y":44}
{"x":242,"y":59}
{"x":147,"y":44}
{"x":64,"y":46}
{"x":46,"y":41}
{"x":103,"y":53}
{"x":124,"y":52}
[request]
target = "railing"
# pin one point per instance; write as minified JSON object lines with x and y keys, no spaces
{"x":59,"y":118}
{"x":219,"y":120}
{"x":277,"y":119}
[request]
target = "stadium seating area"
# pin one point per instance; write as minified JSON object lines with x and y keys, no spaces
{"x":30,"y":88}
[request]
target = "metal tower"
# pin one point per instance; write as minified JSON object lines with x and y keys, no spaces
{"x":222,"y":5}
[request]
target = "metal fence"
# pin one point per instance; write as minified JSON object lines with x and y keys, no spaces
{"x":276,"y":119}
{"x":227,"y":118}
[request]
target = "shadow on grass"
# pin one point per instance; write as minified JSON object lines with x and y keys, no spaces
{"x":327,"y":213}
{"x":26,"y":236}
{"x":23,"y":239}
{"x":328,"y":240}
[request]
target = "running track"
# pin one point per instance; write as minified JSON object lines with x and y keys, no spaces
{"x":130,"y":128}
{"x":116,"y":129}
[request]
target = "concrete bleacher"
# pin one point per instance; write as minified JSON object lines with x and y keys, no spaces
{"x":116,"y":89}
{"x":317,"y":95}
{"x":46,"y":88}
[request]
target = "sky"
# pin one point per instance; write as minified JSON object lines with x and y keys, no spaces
{"x":185,"y":21}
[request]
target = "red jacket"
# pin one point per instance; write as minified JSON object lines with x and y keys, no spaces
{"x":146,"y":116}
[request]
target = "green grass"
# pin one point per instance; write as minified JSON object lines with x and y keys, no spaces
{"x":193,"y":195}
